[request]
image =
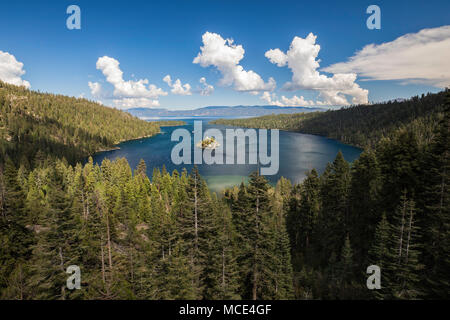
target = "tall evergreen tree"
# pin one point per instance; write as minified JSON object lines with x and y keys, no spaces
{"x":364,"y":203}
{"x":435,"y":215}
{"x":221,"y":269}
{"x":193,"y":227}
{"x":382,"y":256}
{"x":302,"y":218}
{"x":406,"y":267}
{"x":334,"y":215}
{"x":15,"y":239}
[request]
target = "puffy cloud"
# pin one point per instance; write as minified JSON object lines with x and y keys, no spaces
{"x":178,"y":87}
{"x":127,"y":103}
{"x":11,"y":70}
{"x":287,"y":102}
{"x":207,"y":89}
{"x":127,"y":92}
{"x":225,"y":56}
{"x":301,"y":58}
{"x":277,"y":57}
{"x":266,"y":96}
{"x":96,"y":88}
{"x":421,"y":57}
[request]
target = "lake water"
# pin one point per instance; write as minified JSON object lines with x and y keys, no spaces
{"x":298,"y":153}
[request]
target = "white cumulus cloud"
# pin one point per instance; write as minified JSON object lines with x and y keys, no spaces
{"x":295,"y":101}
{"x":11,"y":70}
{"x":301,"y":58}
{"x":127,"y":92}
{"x":178,"y":87}
{"x":225,"y":56}
{"x":127,"y":103}
{"x":207,"y":89}
{"x":96,"y":89}
{"x":421,"y":57}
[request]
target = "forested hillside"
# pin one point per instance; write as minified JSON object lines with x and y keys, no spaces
{"x":361,"y":125}
{"x":171,"y":238}
{"x":133,"y":238}
{"x":34,"y":124}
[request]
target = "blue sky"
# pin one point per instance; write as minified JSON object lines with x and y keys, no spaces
{"x":152,"y":39}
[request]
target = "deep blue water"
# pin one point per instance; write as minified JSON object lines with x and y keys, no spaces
{"x":298,"y":154}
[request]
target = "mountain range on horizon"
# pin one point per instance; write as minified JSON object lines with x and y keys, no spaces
{"x":219,"y":111}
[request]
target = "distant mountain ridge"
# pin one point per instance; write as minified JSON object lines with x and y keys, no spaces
{"x":220,"y":111}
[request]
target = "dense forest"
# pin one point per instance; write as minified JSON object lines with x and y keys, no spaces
{"x":360,"y":125}
{"x":171,"y":238}
{"x":35,"y":125}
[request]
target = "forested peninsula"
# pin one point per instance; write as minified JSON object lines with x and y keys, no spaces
{"x":35,"y":124}
{"x":359,"y":125}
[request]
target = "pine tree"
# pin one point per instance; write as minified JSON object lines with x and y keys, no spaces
{"x":175,"y":277}
{"x":381,"y":255}
{"x":282,"y":268}
{"x":193,"y":227}
{"x":346,"y":261}
{"x":259,"y":238}
{"x":56,"y":246}
{"x":399,"y":162}
{"x":221,"y":273}
{"x":15,"y":239}
{"x":302,"y":218}
{"x":364,"y":203}
{"x":435,"y":215}
{"x":405,"y":269}
{"x":141,"y":168}
{"x":334,"y":215}
{"x":348,"y":286}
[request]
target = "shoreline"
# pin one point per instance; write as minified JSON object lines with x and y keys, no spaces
{"x":116,"y":145}
{"x":294,"y":131}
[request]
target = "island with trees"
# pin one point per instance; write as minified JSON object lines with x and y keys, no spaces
{"x":208,"y":143}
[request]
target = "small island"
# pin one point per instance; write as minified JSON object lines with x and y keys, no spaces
{"x":208,"y":143}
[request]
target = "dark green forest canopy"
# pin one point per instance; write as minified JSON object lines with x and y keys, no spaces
{"x":360,"y":125}
{"x":35,"y":124}
{"x":171,"y":238}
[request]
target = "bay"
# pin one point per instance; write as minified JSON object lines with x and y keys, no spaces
{"x":298,"y":153}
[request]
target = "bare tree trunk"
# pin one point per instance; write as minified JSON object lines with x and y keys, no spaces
{"x":255,"y":277}
{"x":441,"y":206}
{"x":255,"y":269}
{"x":99,"y":208}
{"x":223,"y":268}
{"x":2,"y":195}
{"x":61,"y":265}
{"x":103,"y":262}
{"x":87,"y":208}
{"x":108,"y":235}
{"x":195,"y":214}
{"x":401,"y":231}
{"x":21,"y":282}
{"x":84,"y":204}
{"x":441,"y":203}
{"x":223,"y":253}
{"x":409,"y":232}
{"x":131,"y":265}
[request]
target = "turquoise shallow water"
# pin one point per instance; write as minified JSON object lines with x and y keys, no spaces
{"x":298,"y":154}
